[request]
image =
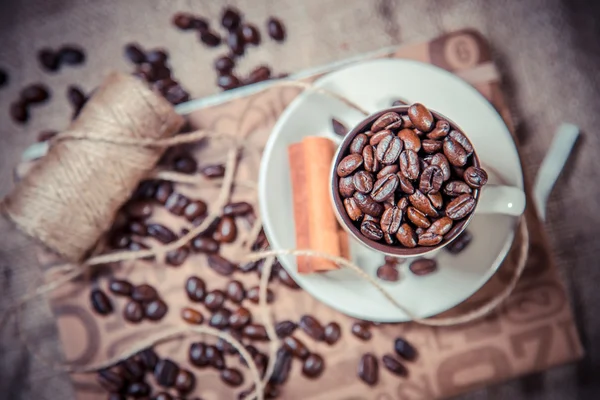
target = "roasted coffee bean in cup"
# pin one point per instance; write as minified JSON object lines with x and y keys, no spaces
{"x":407,"y":180}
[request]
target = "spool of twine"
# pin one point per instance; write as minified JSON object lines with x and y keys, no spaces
{"x":70,"y":198}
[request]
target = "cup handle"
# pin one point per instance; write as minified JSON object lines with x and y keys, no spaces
{"x":497,"y":199}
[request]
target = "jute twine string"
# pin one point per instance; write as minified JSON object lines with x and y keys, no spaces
{"x":71,"y":271}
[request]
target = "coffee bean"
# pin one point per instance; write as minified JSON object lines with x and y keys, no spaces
{"x":185,"y":164}
{"x":120,"y":287}
{"x":255,"y":332}
{"x":405,"y":184}
{"x":313,"y":366}
{"x":134,"y":53}
{"x":251,"y":34}
{"x":421,"y":117}
{"x":405,"y":350}
{"x":296,"y":347}
{"x":429,"y":239}
{"x":220,"y":319}
{"x":225,"y":82}
{"x":276,"y":29}
{"x":406,"y":236}
{"x":432,"y":178}
{"x":363,"y":181}
{"x":139,"y":209}
{"x":195,"y":288}
{"x":253,"y":294}
{"x":436,"y":199}
{"x":441,"y":227}
{"x":423,"y":266}
{"x":394,"y":366}
{"x":148,"y":359}
{"x":176,"y":203}
{"x":388,"y":169}
{"x":422,"y":203}
{"x":35,"y":93}
{"x":163,"y":192}
{"x":409,"y":164}
{"x":214,"y":299}
{"x":138,"y":389}
{"x":388,"y":150}
{"x":332,"y":333}
{"x":161,"y":233}
{"x":18,"y":112}
{"x":240,"y":318}
{"x":48,"y":59}
{"x":213,"y":171}
{"x":191,"y":316}
{"x":361,"y":330}
{"x":383,"y":121}
{"x":237,"y":209}
{"x":388,"y":273}
{"x":384,"y":188}
{"x":215,"y":357}
{"x":460,"y":243}
{"x":231,"y":19}
{"x":194,"y":209}
{"x":349,"y":164}
{"x":376,"y":138}
{"x":460,"y":138}
{"x":156,"y":310}
{"x":71,"y":55}
{"x":221,"y":265}
{"x":285,"y":328}
{"x":236,"y":42}
{"x":166,"y":372}
{"x":391,"y":220}
{"x":185,"y":381}
{"x":232,"y":377}
{"x":441,"y":130}
{"x":161,"y":396}
{"x":210,"y":38}
{"x":225,"y":347}
{"x":455,"y":152}
{"x":183,"y":21}
{"x":368,"y":370}
{"x":371,"y":230}
{"x":110,"y":380}
{"x":137,"y":228}
{"x":176,"y":95}
{"x":475,"y":177}
{"x":341,"y":130}
{"x":224,"y":64}
{"x":119,"y":240}
{"x":312,"y":327}
{"x":226,"y":231}
{"x":133,"y":311}
{"x":358,"y":143}
{"x":346,"y":186}
{"x":138,"y":246}
{"x":283,"y":364}
{"x":204,"y":244}
{"x":460,"y":207}
{"x":418,"y":218}
{"x":410,"y":139}
{"x":286,"y":278}
{"x":197,"y":354}
{"x":371,"y":162}
{"x":235,"y":291}
{"x":100,"y":302}
{"x":431,"y":146}
{"x":367,"y":205}
{"x":406,"y":122}
{"x":157,"y":56}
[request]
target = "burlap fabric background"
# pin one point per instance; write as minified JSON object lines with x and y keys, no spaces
{"x":549,"y":56}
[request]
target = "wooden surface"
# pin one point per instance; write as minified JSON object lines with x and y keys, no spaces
{"x":549,"y":56}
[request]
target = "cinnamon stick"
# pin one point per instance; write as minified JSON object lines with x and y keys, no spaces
{"x":299,"y":189}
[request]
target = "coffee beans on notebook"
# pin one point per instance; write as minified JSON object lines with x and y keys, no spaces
{"x":408,"y":177}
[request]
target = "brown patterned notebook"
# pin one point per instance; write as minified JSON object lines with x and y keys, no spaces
{"x":532,"y":331}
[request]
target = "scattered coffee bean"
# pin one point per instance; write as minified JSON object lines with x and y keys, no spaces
{"x":253,"y":293}
{"x":110,"y":380}
{"x":185,"y":164}
{"x":100,"y":302}
{"x":214,"y":299}
{"x":210,"y":38}
{"x":166,"y":372}
{"x":148,"y":358}
{"x":215,"y":357}
{"x":361,"y":330}
{"x":388,"y":273}
{"x":204,"y":244}
{"x":460,"y":243}
{"x":48,"y":59}
{"x":197,"y":354}
{"x":221,"y":265}
{"x":156,"y":310}
{"x":35,"y":93}
{"x":240,"y":318}
{"x":195,"y":288}
{"x":138,"y":389}
{"x":161,"y":396}
{"x":296,"y":347}
{"x":161,"y":233}
{"x":231,"y":19}
{"x":226,"y":348}
{"x":313,"y":366}
{"x":394,"y":366}
{"x":368,"y":369}
{"x":226,"y":231}
{"x":163,"y":192}
{"x":286,"y":278}
{"x":176,"y":203}
{"x":276,"y":29}
{"x":332,"y":332}
{"x":235,"y":291}
{"x":133,"y":312}
{"x":340,"y":129}
{"x":220,"y":319}
{"x":232,"y":377}
{"x":120,"y":287}
{"x":225,"y":82}
{"x":137,"y":228}
{"x":183,"y":21}
{"x":251,"y":34}
{"x":191,"y":316}
{"x":283,"y":364}
{"x":255,"y":332}
{"x":134,"y":53}
{"x":19,"y":112}
{"x":71,"y":55}
{"x":285,"y":328}
{"x":423,"y":266}
{"x":236,"y":42}
{"x":312,"y":327}
{"x":185,"y":381}
{"x":213,"y":171}
{"x":404,"y":349}
{"x":224,"y":64}
{"x":237,"y":209}
{"x":144,"y":293}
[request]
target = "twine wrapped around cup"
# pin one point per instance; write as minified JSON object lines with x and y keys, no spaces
{"x":70,"y":198}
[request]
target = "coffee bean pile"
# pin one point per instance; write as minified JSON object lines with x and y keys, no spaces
{"x":238,"y":36}
{"x":408,"y":178}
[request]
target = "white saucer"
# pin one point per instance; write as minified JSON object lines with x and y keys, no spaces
{"x":374,"y":85}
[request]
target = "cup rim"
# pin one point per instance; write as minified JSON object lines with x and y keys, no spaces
{"x":348,"y":224}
